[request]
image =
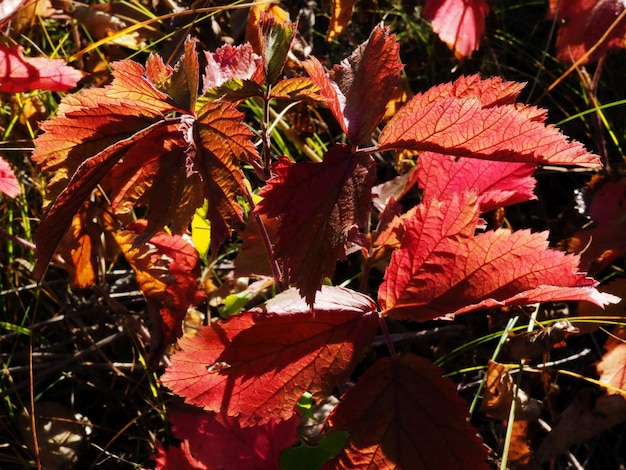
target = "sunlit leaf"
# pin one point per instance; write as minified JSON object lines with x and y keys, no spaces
{"x":468,"y":127}
{"x":256,"y":366}
{"x":443,"y":268}
{"x":19,"y":73}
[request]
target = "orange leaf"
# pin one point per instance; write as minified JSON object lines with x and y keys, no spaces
{"x":612,"y":366}
{"x":167,"y":269}
{"x":257,"y":365}
{"x":395,"y":418}
{"x":341,"y":14}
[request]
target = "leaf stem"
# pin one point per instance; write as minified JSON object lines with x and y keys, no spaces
{"x":383,"y":327}
{"x":266,"y":131}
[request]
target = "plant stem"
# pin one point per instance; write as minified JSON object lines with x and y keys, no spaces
{"x":383,"y":326}
{"x":266,"y":132}
{"x":276,"y":271}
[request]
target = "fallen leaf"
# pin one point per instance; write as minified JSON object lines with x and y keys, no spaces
{"x":612,"y":366}
{"x":340,"y":16}
{"x":585,"y":418}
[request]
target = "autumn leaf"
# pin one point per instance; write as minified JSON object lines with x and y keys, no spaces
{"x":220,"y":441}
{"x":359,"y":88}
{"x":582,"y":23}
{"x":160,"y":152}
{"x":602,"y":242}
{"x":227,"y":63}
{"x":468,"y":127}
{"x":341,"y":14}
{"x":176,"y":458}
{"x":318,"y":204}
{"x":612,"y":366}
{"x":395,"y":420}
{"x":89,"y":243}
{"x":299,"y":89}
{"x":498,"y":184}
{"x":443,"y":268}
{"x":458,"y":23}
{"x":19,"y":73}
{"x":257,"y":365}
{"x":167,"y":270}
{"x":8,"y":182}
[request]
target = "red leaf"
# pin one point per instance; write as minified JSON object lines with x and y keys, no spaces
{"x":443,"y":268}
{"x":177,"y":458}
{"x":491,"y":91}
{"x":229,"y":62}
{"x":359,"y":88}
{"x":221,"y":442}
{"x":395,"y":418}
{"x":603,"y":242}
{"x":612,"y":366}
{"x":8,"y":182}
{"x":318,"y":205}
{"x":467,"y":127}
{"x":167,"y":269}
{"x":497,"y":183}
{"x":581,"y":25}
{"x":19,"y":73}
{"x":257,"y":365}
{"x":459,"y":23}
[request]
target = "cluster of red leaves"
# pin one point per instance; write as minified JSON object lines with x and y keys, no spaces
{"x":143,"y":140}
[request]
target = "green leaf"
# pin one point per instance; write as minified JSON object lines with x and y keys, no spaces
{"x":233,"y":303}
{"x":305,"y":457}
{"x":276,"y":40}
